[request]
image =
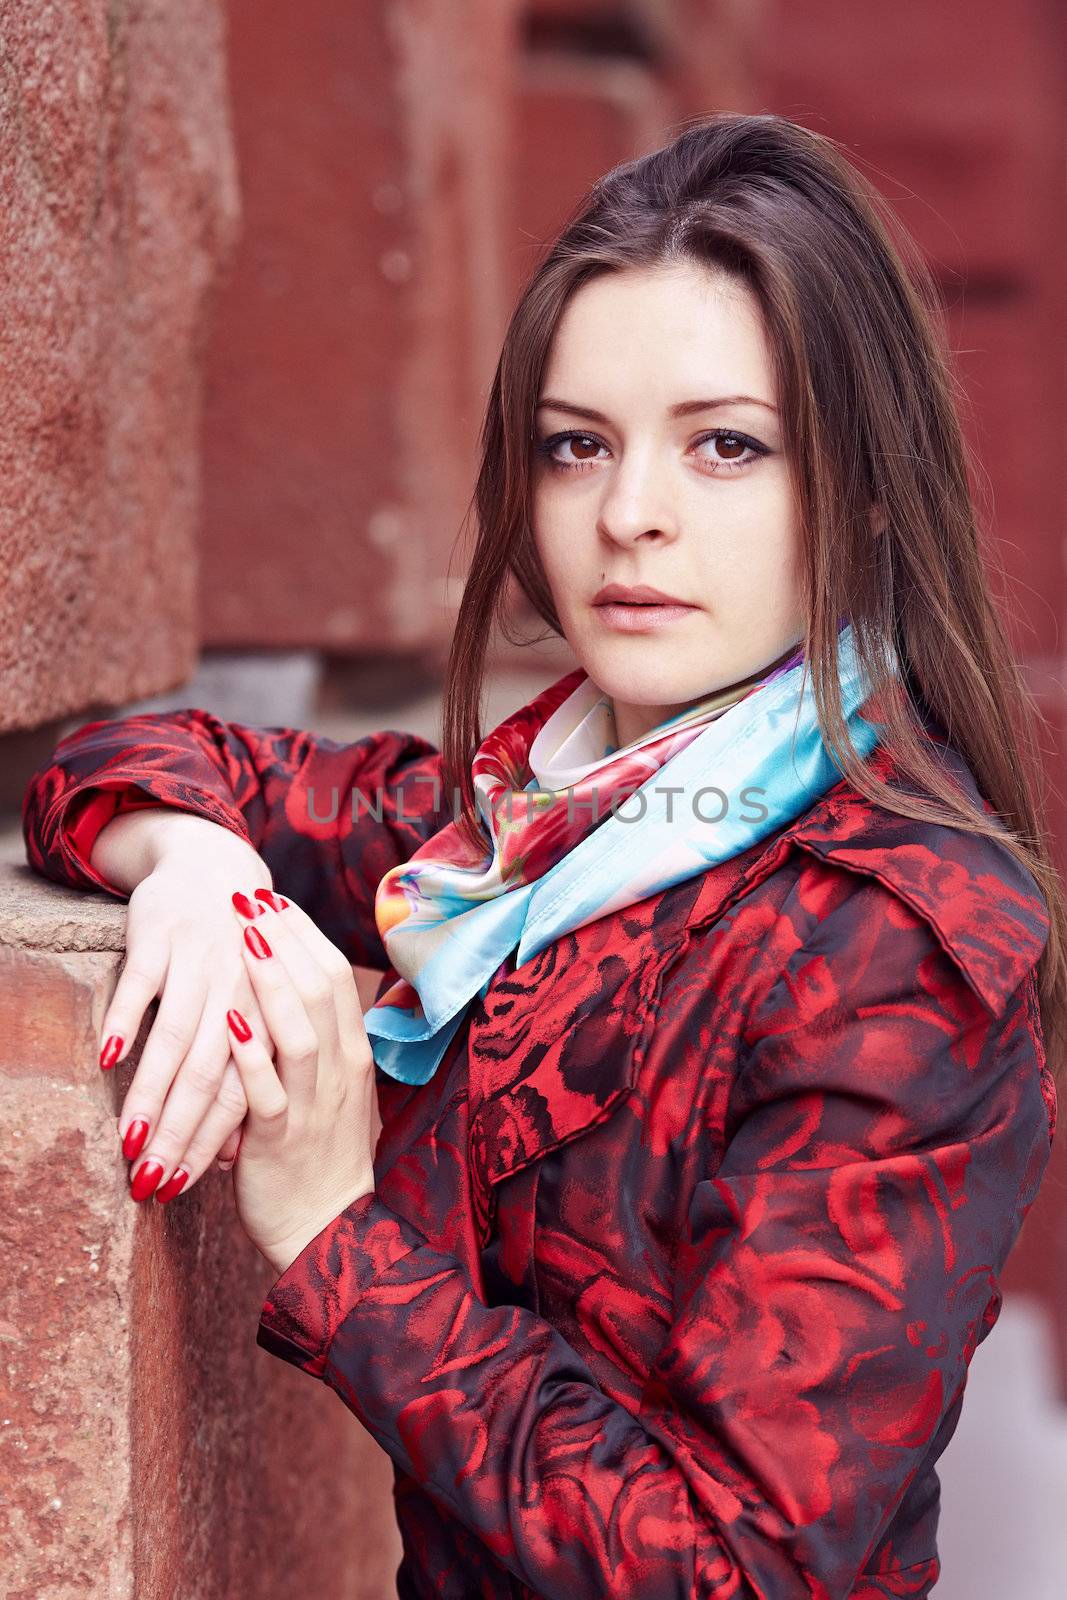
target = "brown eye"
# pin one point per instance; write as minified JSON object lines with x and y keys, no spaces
{"x":583,"y":449}
{"x":733,"y":451}
{"x":730,"y":446}
{"x":583,"y":446}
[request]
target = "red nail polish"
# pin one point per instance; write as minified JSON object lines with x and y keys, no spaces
{"x":239,"y":1026}
{"x":174,"y":1184}
{"x":111,"y":1051}
{"x":136,"y":1134}
{"x":245,"y":905}
{"x":256,"y":943}
{"x":145,"y":1179}
{"x":277,"y":902}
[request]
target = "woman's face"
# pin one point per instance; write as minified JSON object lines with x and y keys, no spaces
{"x":634,"y":483}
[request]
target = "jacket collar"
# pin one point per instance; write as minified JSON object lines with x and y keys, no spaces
{"x":986,"y":909}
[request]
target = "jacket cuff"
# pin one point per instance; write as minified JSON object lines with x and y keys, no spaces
{"x":86,"y":816}
{"x":308,"y":1303}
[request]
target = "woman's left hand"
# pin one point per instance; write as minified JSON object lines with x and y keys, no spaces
{"x":307,"y":1143}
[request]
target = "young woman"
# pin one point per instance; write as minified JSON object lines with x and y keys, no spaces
{"x":710,"y":1050}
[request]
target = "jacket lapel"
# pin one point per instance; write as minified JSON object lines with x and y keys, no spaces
{"x":556,"y":1044}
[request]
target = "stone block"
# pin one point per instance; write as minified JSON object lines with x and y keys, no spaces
{"x":361,"y":322}
{"x":120,"y":202}
{"x":148,"y":1447}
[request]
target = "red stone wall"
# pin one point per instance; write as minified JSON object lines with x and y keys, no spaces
{"x":148,"y":1448}
{"x":361,"y":322}
{"x":119,"y":202}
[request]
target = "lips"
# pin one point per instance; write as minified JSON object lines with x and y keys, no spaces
{"x":639,"y":594}
{"x":622,"y":610}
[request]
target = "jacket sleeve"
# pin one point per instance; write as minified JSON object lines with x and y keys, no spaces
{"x":328,"y":818}
{"x":885,"y":1138}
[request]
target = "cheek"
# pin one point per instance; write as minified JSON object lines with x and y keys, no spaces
{"x":753,"y":553}
{"x":554,"y":545}
{"x":789,"y":554}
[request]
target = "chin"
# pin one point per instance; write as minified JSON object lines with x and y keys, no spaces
{"x":655,"y":678}
{"x":643,"y":671}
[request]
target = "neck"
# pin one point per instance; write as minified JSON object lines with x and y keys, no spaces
{"x":632,"y":722}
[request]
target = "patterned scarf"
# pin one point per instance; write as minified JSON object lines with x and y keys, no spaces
{"x":560,"y":847}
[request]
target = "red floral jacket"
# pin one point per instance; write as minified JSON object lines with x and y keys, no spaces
{"x":674,"y":1269}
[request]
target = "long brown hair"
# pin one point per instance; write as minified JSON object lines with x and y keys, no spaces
{"x":869,"y":403}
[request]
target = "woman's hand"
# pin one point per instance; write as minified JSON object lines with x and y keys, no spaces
{"x":307,"y":1148}
{"x":185,"y":1103}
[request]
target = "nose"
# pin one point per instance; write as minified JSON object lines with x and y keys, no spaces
{"x":636,"y":503}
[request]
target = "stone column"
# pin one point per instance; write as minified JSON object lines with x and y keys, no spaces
{"x":148,"y":1447}
{"x":119,"y":204}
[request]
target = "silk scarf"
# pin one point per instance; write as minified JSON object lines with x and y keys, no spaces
{"x":576,"y":828}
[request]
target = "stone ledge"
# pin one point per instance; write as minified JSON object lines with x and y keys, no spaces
{"x":61,"y":920}
{"x":147,"y":1445}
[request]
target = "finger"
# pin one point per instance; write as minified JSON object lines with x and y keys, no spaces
{"x":298,"y":1001}
{"x":162,"y":1133}
{"x":268,"y":1102}
{"x":317,"y":987}
{"x":183,"y":1082}
{"x":220,"y":1129}
{"x":140,"y":981}
{"x":229,"y":1148}
{"x":333,"y":962}
{"x":173,"y":1032}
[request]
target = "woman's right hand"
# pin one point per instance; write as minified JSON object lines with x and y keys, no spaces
{"x":183,"y":944}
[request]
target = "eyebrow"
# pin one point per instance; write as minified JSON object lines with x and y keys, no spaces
{"x":684,"y":408}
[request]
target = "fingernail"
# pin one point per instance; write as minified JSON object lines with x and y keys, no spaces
{"x":136,"y":1134}
{"x":256,"y":942}
{"x":277,"y":902}
{"x":172,"y":1186}
{"x":145,"y":1179}
{"x":245,"y":906}
{"x":111,"y":1051}
{"x":239,"y":1026}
